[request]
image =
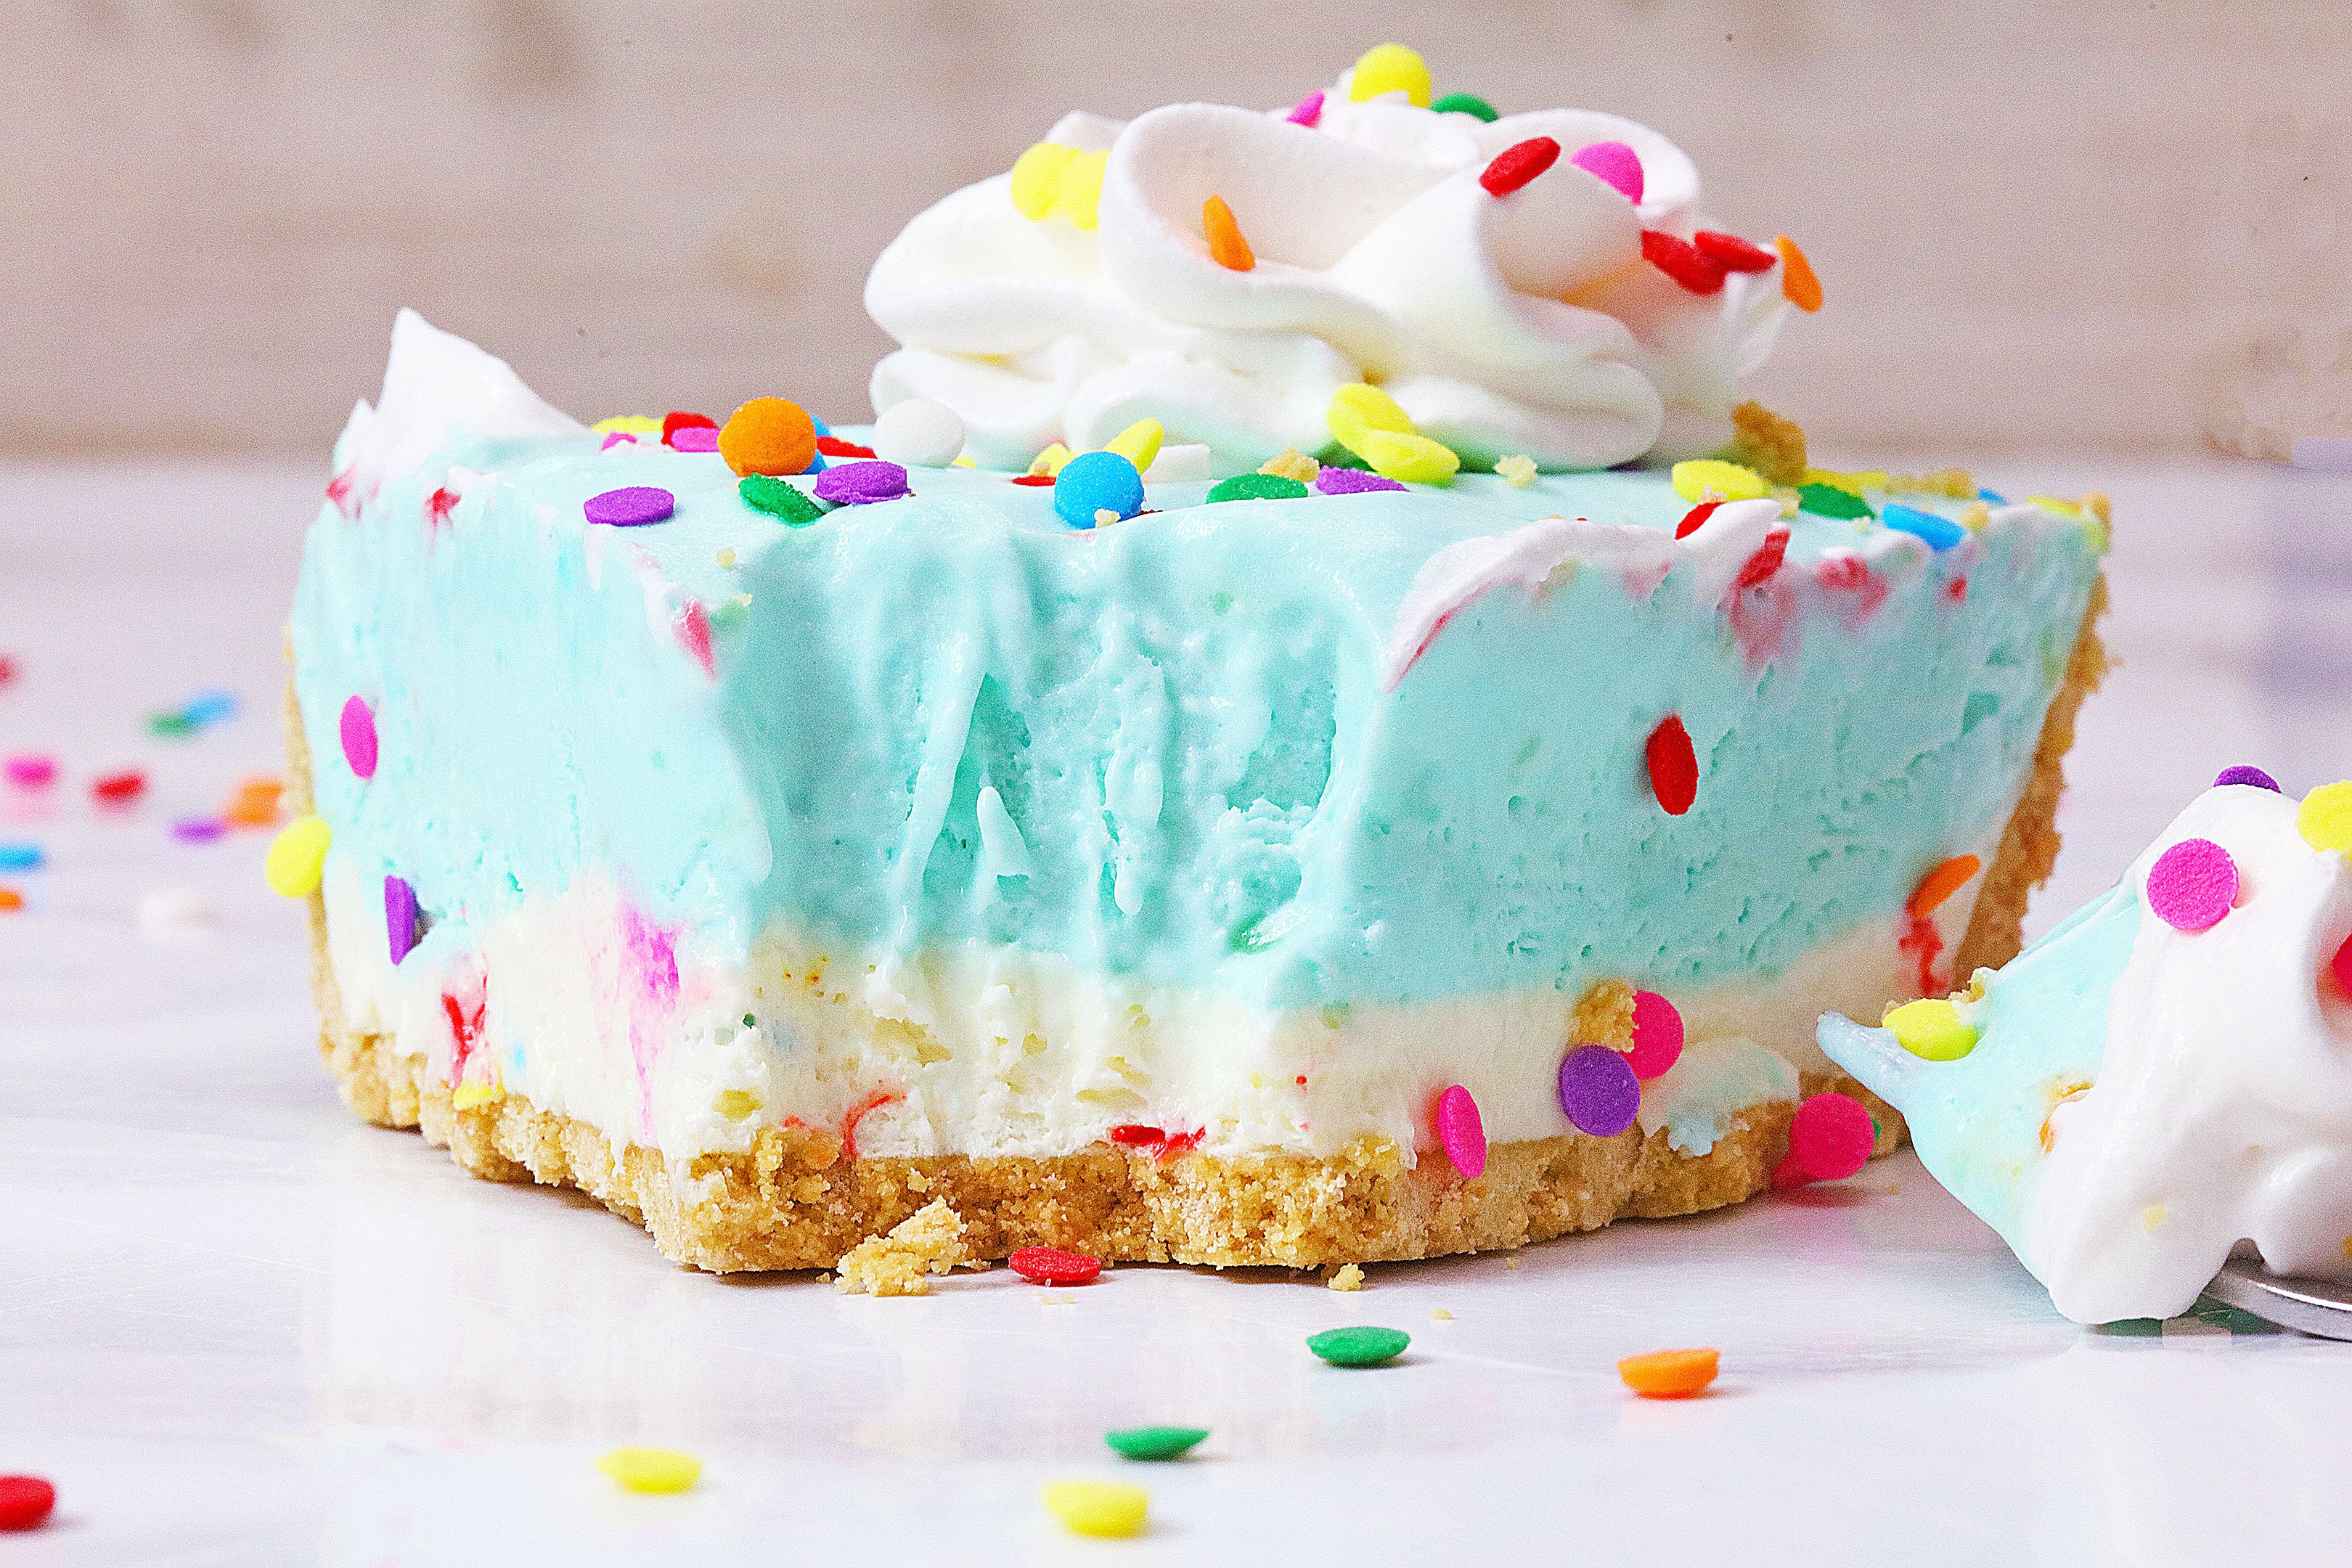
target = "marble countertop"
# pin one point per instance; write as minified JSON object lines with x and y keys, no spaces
{"x":237,"y":1326}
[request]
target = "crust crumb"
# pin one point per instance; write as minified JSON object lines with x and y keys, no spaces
{"x":928,"y":1241}
{"x":1605,"y":1016}
{"x":1292,"y":464}
{"x":1347,"y":1277}
{"x":1772,"y":446}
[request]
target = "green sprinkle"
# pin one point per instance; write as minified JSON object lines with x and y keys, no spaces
{"x":784,"y":502}
{"x":1335,"y":456}
{"x":170,"y":725}
{"x":1467,"y":103}
{"x":1360,"y":1347}
{"x":1155,"y":1442}
{"x":1828,"y":500}
{"x":2134,"y":1328}
{"x":1258,"y":487}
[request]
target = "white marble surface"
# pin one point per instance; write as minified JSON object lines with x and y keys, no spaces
{"x":236,"y":1327}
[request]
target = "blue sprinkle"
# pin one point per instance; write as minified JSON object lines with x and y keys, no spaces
{"x":1094,"y":482}
{"x":21,"y":856}
{"x":821,"y":427}
{"x":1991,"y":498}
{"x":209,"y":706}
{"x":816,"y":459}
{"x":1940,"y":532}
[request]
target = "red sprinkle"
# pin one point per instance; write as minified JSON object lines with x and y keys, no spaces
{"x":1182,"y":1144}
{"x":1921,"y":938}
{"x":1054,"y":1266}
{"x":676,"y":420}
{"x":464,"y":1032}
{"x":1766,"y":561}
{"x":1731,"y":252}
{"x":25,"y":1502}
{"x":1695,"y":518}
{"x":2341,"y":966}
{"x":858,"y":1112}
{"x":1681,"y":261}
{"x":1032,"y":479}
{"x":834,"y":447}
{"x":440,"y":505}
{"x":1137,"y":1136}
{"x":1517,"y":164}
{"x":1956,"y":590}
{"x":114,"y":789}
{"x":694,"y":634}
{"x":7,"y":669}
{"x":1673,"y":767}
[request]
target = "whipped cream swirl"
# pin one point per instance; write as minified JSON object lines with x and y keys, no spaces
{"x":1526,"y":323}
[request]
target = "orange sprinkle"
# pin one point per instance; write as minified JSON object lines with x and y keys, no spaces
{"x":1669,"y":1374}
{"x":255,"y":804}
{"x":1227,"y":248}
{"x":874,"y":1101}
{"x":10,"y":898}
{"x":1799,"y":284}
{"x":1941,"y":883}
{"x":769,"y":435}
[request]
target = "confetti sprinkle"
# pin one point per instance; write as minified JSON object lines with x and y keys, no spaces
{"x":1832,"y":500}
{"x":1109,"y":1510}
{"x":1940,"y":533}
{"x":1598,"y":1091}
{"x":916,"y":434}
{"x":1095,"y":483}
{"x":1669,"y":1374}
{"x":772,"y":435}
{"x":2244,"y":773}
{"x":1338,"y":481}
{"x":1798,"y":286}
{"x":209,"y":706}
{"x":1368,"y":423}
{"x":834,"y":447}
{"x":400,"y":924}
{"x":1696,"y":519}
{"x":1681,"y":261}
{"x":1516,"y":470}
{"x":1931,"y":1028}
{"x":1357,"y":1347}
{"x":628,"y":424}
{"x":2324,"y":817}
{"x":1462,"y":1132}
{"x":1695,"y":479}
{"x":170,"y":726}
{"x":1517,"y":164}
{"x":1054,"y":1266}
{"x":1731,"y":252}
{"x":1467,"y":103}
{"x":655,"y":1471}
{"x":199,"y":829}
{"x":1155,"y":1444}
{"x":695,"y":438}
{"x":1657,"y":1036}
{"x":25,"y":1502}
{"x":1673,"y":764}
{"x":1830,"y":1139}
{"x":31,"y":770}
{"x":1309,"y":112}
{"x":862,"y":484}
{"x":255,"y":804}
{"x":2192,"y":885}
{"x":1765,"y":564}
{"x":1227,"y":246}
{"x":357,"y":727}
{"x":678,"y":419}
{"x":117,"y":788}
{"x":1614,"y":165}
{"x":296,"y":857}
{"x":632,"y":506}
{"x":11,"y":900}
{"x":1262,"y":486}
{"x":1942,"y":881}
{"x":788,"y":503}
{"x":21,"y":856}
{"x":1390,"y":67}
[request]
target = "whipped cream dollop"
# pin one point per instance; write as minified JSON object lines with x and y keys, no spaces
{"x":1522,"y":324}
{"x":2145,"y":1098}
{"x":437,"y":385}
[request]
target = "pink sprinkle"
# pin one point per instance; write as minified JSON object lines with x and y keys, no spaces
{"x":1309,"y":111}
{"x":694,"y":634}
{"x":1657,"y":1036}
{"x":1461,"y":1133}
{"x":1614,"y":163}
{"x":694,"y":438}
{"x":32,"y":770}
{"x":616,"y":438}
{"x":1830,"y":1139}
{"x":359,"y":738}
{"x":2192,"y":885}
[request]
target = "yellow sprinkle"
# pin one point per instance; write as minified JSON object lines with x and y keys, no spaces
{"x":1975,"y":515}
{"x":1291,"y":463}
{"x":1139,"y":442}
{"x":1049,"y":461}
{"x":2324,"y":817}
{"x":727,"y":556}
{"x":1108,"y":1508}
{"x":628,"y":424}
{"x":1846,"y":482}
{"x":735,"y":1103}
{"x":1368,"y":422}
{"x":1081,"y":195}
{"x":1932,"y":1028}
{"x":2053,"y":504}
{"x":1791,"y":503}
{"x":1037,"y":180}
{"x":964,"y":462}
{"x":471,"y":1093}
{"x":1518,"y":470}
{"x":1695,"y":477}
{"x":2095,"y":503}
{"x":296,"y":856}
{"x":1347,"y":1277}
{"x":1390,"y":67}
{"x":2152,"y":1215}
{"x":1441,"y":1315}
{"x":652,"y":1469}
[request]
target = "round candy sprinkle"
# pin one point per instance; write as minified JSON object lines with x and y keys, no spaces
{"x":400,"y":933}
{"x":1462,"y":1132}
{"x":695,"y":438}
{"x":1467,"y":103}
{"x":357,"y":727}
{"x":117,"y":789}
{"x":2192,"y":885}
{"x":1309,"y":112}
{"x":2246,"y":774}
{"x":2324,"y":817}
{"x":1390,"y":67}
{"x":1096,"y":482}
{"x":1831,"y":1137}
{"x":1942,"y":881}
{"x":651,"y":1469}
{"x":1108,"y":1510}
{"x":1337,"y":482}
{"x":25,"y":1502}
{"x":1831,"y":500}
{"x":31,"y":770}
{"x":1598,"y":1090}
{"x":296,"y":857}
{"x":1657,"y":1036}
{"x":1359,"y":1346}
{"x":859,"y":484}
{"x":632,"y":506}
{"x":1155,"y":1442}
{"x":1517,"y":164}
{"x":1731,"y":482}
{"x":787,"y":503}
{"x":1614,"y":165}
{"x":1228,"y":247}
{"x":1931,"y":1028}
{"x":1673,"y":767}
{"x":677,"y":420}
{"x":1938,"y":533}
{"x":769,"y":435}
{"x":1669,"y":1374}
{"x":1730,"y":251}
{"x":1260,"y":487}
{"x":1798,"y":286}
{"x":915,"y":433}
{"x":1680,"y":260}
{"x":1054,"y":1266}
{"x":21,"y":858}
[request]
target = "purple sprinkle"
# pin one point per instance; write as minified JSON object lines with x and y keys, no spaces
{"x":694,"y":438}
{"x":632,"y":506}
{"x":198,"y":829}
{"x":854,"y":484}
{"x":359,"y":738}
{"x":1352,"y":481}
{"x":1599,"y":1091}
{"x":616,"y":438}
{"x":399,"y":918}
{"x":2243,"y":775}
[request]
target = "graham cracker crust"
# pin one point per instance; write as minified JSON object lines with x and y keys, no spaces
{"x":795,"y":1202}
